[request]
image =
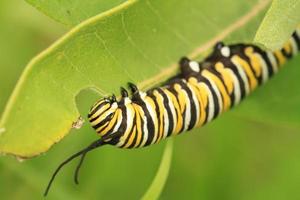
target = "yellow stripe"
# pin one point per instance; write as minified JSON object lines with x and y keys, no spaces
{"x":99,"y":128}
{"x":287,"y":47}
{"x":112,"y":122}
{"x":280,"y":57}
{"x":182,"y":103}
{"x":181,"y":97}
{"x":100,"y":118}
{"x":247,"y":69}
{"x":202,"y":98}
{"x":128,"y":129}
{"x":226,"y":76}
{"x":161,"y":113}
{"x":138,"y":110}
{"x":98,"y":112}
{"x":193,"y":82}
{"x":221,"y":87}
{"x":97,"y":103}
{"x":132,"y":136}
{"x":254,"y":60}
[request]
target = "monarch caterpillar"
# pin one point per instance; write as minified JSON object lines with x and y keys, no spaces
{"x":194,"y":97}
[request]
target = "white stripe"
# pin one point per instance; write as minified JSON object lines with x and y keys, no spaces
{"x":145,"y":131}
{"x":273,"y":61}
{"x":264,"y":67}
{"x":243,"y":75}
{"x":217,"y":92}
{"x":144,"y":128}
{"x":196,"y":103}
{"x":129,"y":116}
{"x":117,"y":126}
{"x":211,"y":106}
{"x":153,"y":116}
{"x":173,"y":111}
{"x":187,"y":111}
{"x":165,"y":117}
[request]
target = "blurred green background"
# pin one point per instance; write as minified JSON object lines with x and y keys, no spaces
{"x":235,"y":157}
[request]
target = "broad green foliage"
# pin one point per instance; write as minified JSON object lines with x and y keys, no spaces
{"x":280,"y":21}
{"x":251,"y":152}
{"x":105,"y":52}
{"x":75,"y":11}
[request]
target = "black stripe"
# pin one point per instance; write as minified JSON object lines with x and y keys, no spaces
{"x":265,"y":56}
{"x":181,"y":83}
{"x":214,"y":95}
{"x":142,"y":132}
{"x":122,"y":127}
{"x":192,"y":110}
{"x":174,"y":92}
{"x":94,"y":110}
{"x":101,"y":123}
{"x":220,"y":77}
{"x":201,"y":79}
{"x":286,"y":54}
{"x":157,"y":114}
{"x":136,"y":99}
{"x":277,"y":60}
{"x":131,"y":131}
{"x":297,"y":40}
{"x":150,"y":122}
{"x":230,"y":65}
{"x":169,"y":112}
{"x":244,"y":57}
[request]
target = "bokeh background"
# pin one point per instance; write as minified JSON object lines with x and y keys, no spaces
{"x":235,"y":157}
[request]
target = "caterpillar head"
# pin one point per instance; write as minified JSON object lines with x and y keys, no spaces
{"x":101,"y":114}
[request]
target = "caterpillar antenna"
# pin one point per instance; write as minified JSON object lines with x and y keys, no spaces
{"x":76,"y":174}
{"x":81,"y":153}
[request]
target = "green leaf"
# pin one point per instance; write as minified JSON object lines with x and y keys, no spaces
{"x":161,"y":176}
{"x":250,"y":152}
{"x":106,"y":52}
{"x":73,"y":12}
{"x":280,"y":21}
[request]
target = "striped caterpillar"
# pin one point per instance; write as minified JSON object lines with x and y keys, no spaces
{"x":194,"y":97}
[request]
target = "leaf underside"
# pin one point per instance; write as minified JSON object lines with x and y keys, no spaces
{"x":141,"y":42}
{"x":138,"y":41}
{"x":279,"y":23}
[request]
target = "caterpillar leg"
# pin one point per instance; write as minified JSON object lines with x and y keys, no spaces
{"x":188,"y":66}
{"x":124,"y":92}
{"x":218,"y":46}
{"x":221,"y":49}
{"x":134,"y":89}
